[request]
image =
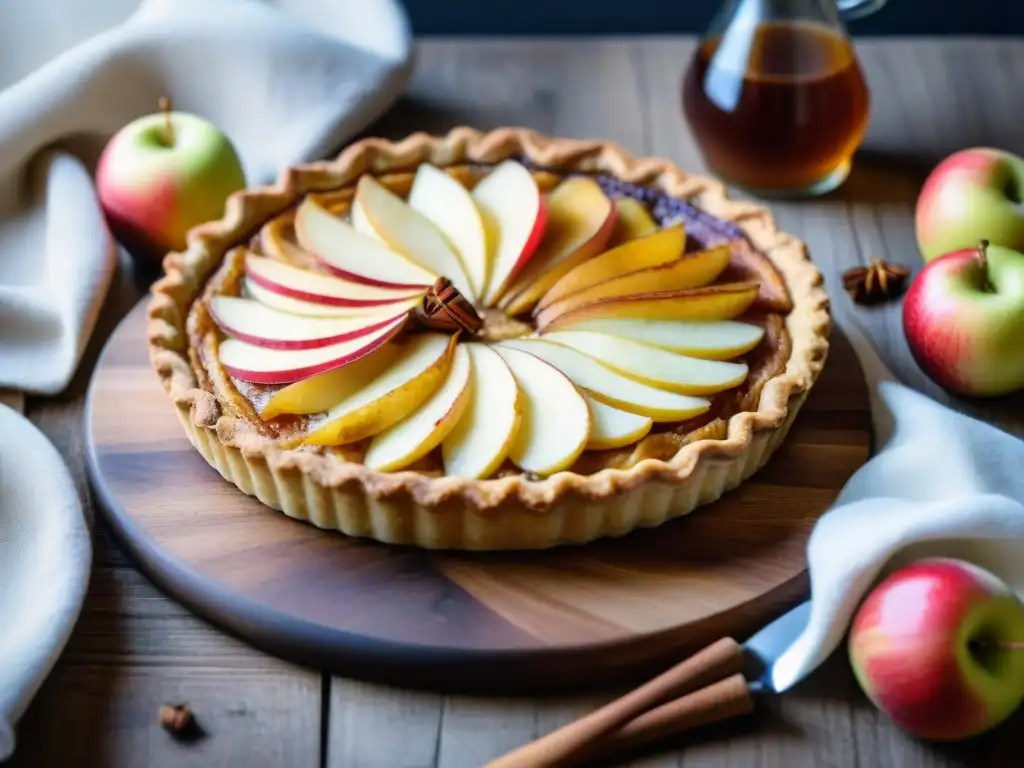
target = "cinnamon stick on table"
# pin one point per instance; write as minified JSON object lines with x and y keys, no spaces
{"x":623,"y":722}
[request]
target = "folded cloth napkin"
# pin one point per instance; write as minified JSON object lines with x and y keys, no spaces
{"x":45,"y":557}
{"x":287,"y":81}
{"x":943,"y":484}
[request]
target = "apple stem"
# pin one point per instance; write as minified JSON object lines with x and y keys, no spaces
{"x":1010,"y":645}
{"x":983,"y":264}
{"x":165,"y":107}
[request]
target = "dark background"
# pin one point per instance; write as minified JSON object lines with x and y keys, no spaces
{"x":630,"y":17}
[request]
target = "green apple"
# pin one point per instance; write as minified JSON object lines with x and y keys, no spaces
{"x":974,"y":194}
{"x":163,"y":174}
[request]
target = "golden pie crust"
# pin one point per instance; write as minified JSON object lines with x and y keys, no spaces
{"x":508,"y":512}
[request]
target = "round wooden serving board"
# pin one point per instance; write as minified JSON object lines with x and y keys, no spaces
{"x":504,"y":621}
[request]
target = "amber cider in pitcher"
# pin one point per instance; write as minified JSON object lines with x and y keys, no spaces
{"x":780,"y":112}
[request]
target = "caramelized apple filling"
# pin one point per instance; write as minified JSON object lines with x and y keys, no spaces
{"x":483,"y":321}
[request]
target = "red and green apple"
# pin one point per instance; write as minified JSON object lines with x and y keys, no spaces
{"x":938,"y":646}
{"x":163,"y":174}
{"x":974,"y":194}
{"x":963,"y":317}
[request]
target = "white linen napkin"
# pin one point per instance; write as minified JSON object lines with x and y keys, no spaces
{"x":943,"y":484}
{"x":288,"y":81}
{"x":45,"y":556}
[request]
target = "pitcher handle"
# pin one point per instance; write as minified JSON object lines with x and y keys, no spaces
{"x":856,"y":9}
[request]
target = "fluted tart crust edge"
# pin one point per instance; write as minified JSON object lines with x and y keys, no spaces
{"x":509,"y":512}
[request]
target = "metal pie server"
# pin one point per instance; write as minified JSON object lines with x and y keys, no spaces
{"x":764,"y":648}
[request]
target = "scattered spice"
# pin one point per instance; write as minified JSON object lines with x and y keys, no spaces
{"x":445,"y":309}
{"x":175,"y":718}
{"x":879,"y":281}
{"x":178,"y":720}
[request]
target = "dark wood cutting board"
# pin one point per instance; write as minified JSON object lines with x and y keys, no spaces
{"x":507,"y":621}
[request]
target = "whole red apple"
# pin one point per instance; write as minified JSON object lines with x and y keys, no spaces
{"x":938,"y":646}
{"x":963,"y":317}
{"x":972,"y":195}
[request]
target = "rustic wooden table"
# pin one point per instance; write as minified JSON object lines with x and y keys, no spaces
{"x":135,"y":649}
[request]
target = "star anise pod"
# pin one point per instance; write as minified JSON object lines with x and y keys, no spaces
{"x":445,"y":309}
{"x":875,"y":283}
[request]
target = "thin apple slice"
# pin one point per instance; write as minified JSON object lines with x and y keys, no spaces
{"x":352,"y":255}
{"x":277,"y":245}
{"x":556,"y":421}
{"x":633,"y":221}
{"x":580,"y":221}
{"x":515,"y":218}
{"x":302,"y":284}
{"x":284,"y":303}
{"x":613,"y":428}
{"x":713,"y":302}
{"x":257,"y":324}
{"x":362,"y":224}
{"x":411,"y":233}
{"x":319,"y":393}
{"x":711,"y":340}
{"x":690,"y":271}
{"x":412,"y":377}
{"x":657,"y":367}
{"x":662,"y":247}
{"x":423,"y":430}
{"x":612,"y":387}
{"x":448,"y":204}
{"x":260,"y":365}
{"x":481,"y":439}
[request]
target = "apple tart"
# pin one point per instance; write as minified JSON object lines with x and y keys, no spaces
{"x":488,"y":340}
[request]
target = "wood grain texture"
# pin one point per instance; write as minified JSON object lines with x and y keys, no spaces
{"x":931,"y":97}
{"x":134,"y":650}
{"x":462,"y":620}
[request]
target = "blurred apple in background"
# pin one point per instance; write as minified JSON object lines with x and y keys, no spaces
{"x":972,"y":195}
{"x":964,"y":320}
{"x":161,"y":175}
{"x":938,"y":646}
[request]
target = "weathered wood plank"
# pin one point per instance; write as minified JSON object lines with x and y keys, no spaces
{"x":135,"y":650}
{"x":254,"y":717}
{"x":361,"y":713}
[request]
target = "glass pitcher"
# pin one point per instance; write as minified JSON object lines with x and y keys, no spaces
{"x":775,"y":96}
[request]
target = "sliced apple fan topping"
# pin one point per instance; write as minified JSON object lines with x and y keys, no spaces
{"x":625,"y":328}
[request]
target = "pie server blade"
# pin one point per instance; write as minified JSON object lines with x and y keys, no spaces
{"x":765,"y":647}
